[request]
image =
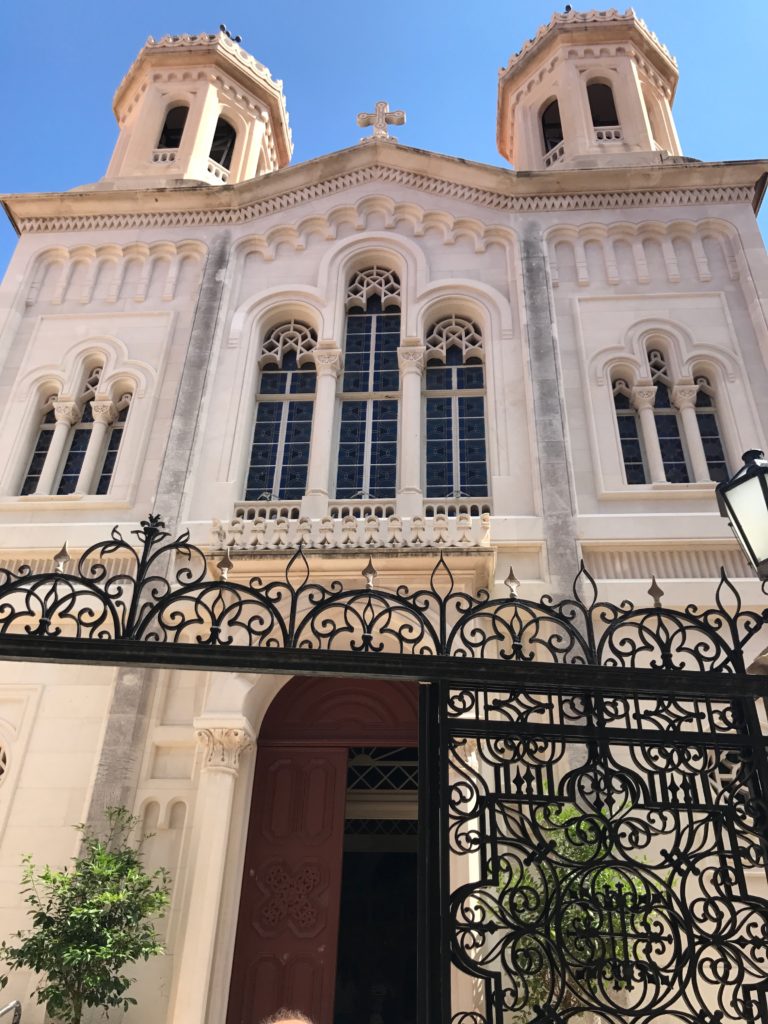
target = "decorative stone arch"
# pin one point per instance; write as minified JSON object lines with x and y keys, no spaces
{"x":21,"y":423}
{"x":491,"y":311}
{"x":250,"y":324}
{"x":176,"y":97}
{"x":674,"y":339}
{"x":720,"y":369}
{"x":600,"y":74}
{"x":475,"y":299}
{"x":401,"y":255}
{"x":607,"y":367}
{"x":105,"y":347}
{"x":229,"y":113}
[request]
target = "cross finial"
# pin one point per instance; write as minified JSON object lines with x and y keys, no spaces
{"x":379,"y":120}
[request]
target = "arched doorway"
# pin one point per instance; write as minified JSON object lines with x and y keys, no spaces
{"x":329,"y":852}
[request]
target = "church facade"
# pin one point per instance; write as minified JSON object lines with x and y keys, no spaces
{"x":381,"y":353}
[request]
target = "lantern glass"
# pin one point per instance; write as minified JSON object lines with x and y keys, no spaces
{"x":749,"y":515}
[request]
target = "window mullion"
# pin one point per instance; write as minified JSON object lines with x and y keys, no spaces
{"x":280,"y":448}
{"x":366,"y":485}
{"x":455,"y":436}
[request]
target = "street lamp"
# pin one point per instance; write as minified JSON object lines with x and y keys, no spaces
{"x":743,"y":501}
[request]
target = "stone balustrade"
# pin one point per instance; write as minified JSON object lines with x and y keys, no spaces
{"x":350,"y":532}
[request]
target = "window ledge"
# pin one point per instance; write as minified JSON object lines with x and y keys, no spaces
{"x":61,"y":501}
{"x":656,"y":491}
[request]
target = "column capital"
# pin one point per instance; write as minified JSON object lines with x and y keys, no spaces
{"x":411,"y":358}
{"x":103,"y":412}
{"x":643,"y":397}
{"x":223,"y":744}
{"x":327,"y":361}
{"x":67,"y":412}
{"x":684,"y":395}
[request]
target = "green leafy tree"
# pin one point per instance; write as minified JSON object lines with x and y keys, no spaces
{"x":89,"y":921}
{"x":599,"y":948}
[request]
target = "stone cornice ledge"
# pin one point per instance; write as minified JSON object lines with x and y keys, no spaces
{"x":679,"y":184}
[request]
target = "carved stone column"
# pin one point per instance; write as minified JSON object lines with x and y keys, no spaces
{"x":315,"y":502}
{"x":67,"y":414}
{"x":221,"y":744}
{"x":684,"y":399}
{"x":104,"y":414}
{"x":410,"y":496}
{"x":643,"y":399}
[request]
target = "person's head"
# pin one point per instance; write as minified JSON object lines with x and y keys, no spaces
{"x":288,"y":1017}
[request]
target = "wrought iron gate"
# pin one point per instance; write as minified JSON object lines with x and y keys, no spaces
{"x":593,"y":816}
{"x":602,"y":856}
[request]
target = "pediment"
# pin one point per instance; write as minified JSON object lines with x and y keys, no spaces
{"x":380,"y":163}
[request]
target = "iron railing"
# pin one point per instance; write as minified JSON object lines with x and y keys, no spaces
{"x":99,"y":601}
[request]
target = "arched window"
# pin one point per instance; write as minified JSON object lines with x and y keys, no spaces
{"x":456,"y":464}
{"x":173,"y":128}
{"x":223,"y":145}
{"x":601,"y":105}
{"x":112,"y":442}
{"x":367,"y":460}
{"x":667,"y":421}
{"x":629,"y":433}
{"x":551,"y":126}
{"x":280,"y":449}
{"x":42,"y":444}
{"x":79,"y":435}
{"x":706,"y":417}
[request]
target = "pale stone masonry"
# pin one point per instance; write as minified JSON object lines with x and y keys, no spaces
{"x":156,"y":287}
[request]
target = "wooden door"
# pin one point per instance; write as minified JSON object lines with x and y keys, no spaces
{"x":287,"y":933}
{"x":285,"y":953}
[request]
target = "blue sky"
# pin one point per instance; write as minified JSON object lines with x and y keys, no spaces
{"x":60,"y":64}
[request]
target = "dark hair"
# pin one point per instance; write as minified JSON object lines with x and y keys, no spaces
{"x":285,"y":1015}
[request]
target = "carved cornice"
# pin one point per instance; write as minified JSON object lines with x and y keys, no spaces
{"x":333,"y":185}
{"x":222,"y":747}
{"x":580,"y":20}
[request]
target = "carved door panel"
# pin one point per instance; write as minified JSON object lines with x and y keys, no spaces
{"x":285,"y":952}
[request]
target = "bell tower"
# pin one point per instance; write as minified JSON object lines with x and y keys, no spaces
{"x":197,"y":109}
{"x":591,"y":89}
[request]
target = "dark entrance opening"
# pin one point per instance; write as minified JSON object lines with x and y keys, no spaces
{"x":376,"y":965}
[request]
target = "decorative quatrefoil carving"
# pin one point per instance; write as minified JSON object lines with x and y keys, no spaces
{"x":289,"y":898}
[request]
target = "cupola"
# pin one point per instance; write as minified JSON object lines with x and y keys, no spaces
{"x":198,"y":109}
{"x":591,"y":89}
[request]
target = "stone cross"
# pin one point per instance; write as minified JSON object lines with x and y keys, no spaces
{"x":379,"y":120}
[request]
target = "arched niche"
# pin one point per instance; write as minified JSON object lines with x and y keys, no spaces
{"x":343,"y":712}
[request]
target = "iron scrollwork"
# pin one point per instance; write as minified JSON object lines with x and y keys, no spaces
{"x":607,"y":859}
{"x":161,"y":590}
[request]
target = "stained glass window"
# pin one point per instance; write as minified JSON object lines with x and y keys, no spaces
{"x":79,"y":435}
{"x":706,"y":416}
{"x":280,"y":449}
{"x":667,"y":421}
{"x":114,"y":438}
{"x":68,"y":471}
{"x":367,"y":459}
{"x":629,"y":433}
{"x":456,"y":465}
{"x":42,"y":444}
